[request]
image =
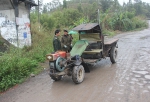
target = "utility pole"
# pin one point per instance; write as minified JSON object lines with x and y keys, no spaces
{"x":98,"y":17}
{"x":16,"y":15}
{"x":38,"y":11}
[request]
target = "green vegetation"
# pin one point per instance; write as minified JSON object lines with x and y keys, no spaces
{"x":14,"y":68}
{"x":113,"y":16}
{"x":17,"y":64}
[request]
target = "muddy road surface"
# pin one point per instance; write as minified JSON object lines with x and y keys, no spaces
{"x":126,"y":81}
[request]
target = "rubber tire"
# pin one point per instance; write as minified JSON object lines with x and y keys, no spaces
{"x":56,"y":78}
{"x":113,"y":54}
{"x":77,"y":79}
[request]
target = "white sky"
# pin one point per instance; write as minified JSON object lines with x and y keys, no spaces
{"x":120,"y":1}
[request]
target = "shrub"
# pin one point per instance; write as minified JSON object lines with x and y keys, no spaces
{"x":139,"y":22}
{"x":14,"y":69}
{"x":123,"y":21}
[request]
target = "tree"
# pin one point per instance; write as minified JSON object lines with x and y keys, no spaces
{"x":116,"y":4}
{"x":80,"y":8}
{"x":137,"y":1}
{"x":45,"y":9}
{"x":105,"y":4}
{"x":138,"y":8}
{"x":64,"y":4}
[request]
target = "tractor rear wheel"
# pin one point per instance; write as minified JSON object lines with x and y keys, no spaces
{"x":113,"y":54}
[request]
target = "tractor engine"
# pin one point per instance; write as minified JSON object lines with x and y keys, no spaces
{"x":54,"y":56}
{"x":57,"y":60}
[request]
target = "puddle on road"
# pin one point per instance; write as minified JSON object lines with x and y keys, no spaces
{"x":145,"y":82}
{"x":140,"y":84}
{"x":110,"y":89}
{"x":147,"y":76}
{"x":141,"y":72}
{"x":132,"y":82}
{"x":127,"y":78}
{"x":134,"y":79}
{"x":137,"y":76}
{"x":121,"y":85}
{"x":145,"y":37}
{"x":141,"y":87}
{"x":143,"y":69}
{"x":145,"y":91}
{"x":119,"y":93}
{"x":132,"y":87}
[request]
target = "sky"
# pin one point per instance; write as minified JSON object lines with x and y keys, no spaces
{"x":120,"y":1}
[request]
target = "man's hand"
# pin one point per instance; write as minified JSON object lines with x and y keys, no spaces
{"x":65,"y":46}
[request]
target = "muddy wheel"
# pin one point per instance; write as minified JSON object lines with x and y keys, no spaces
{"x":56,"y":78}
{"x":113,"y":54}
{"x":78,"y":74}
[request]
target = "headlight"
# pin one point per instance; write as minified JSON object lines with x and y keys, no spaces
{"x":49,"y":57}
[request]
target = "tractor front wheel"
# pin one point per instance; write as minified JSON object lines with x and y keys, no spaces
{"x":78,"y":74}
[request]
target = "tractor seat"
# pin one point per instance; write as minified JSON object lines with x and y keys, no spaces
{"x":93,"y":51}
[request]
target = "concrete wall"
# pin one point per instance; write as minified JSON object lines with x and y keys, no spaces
{"x":8,"y":26}
{"x":5,"y":5}
{"x":23,"y":23}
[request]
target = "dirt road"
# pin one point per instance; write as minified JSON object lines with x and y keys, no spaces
{"x":126,"y":81}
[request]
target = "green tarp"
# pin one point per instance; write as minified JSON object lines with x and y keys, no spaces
{"x":79,"y":47}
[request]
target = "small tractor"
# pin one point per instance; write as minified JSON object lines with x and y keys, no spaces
{"x":90,"y":48}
